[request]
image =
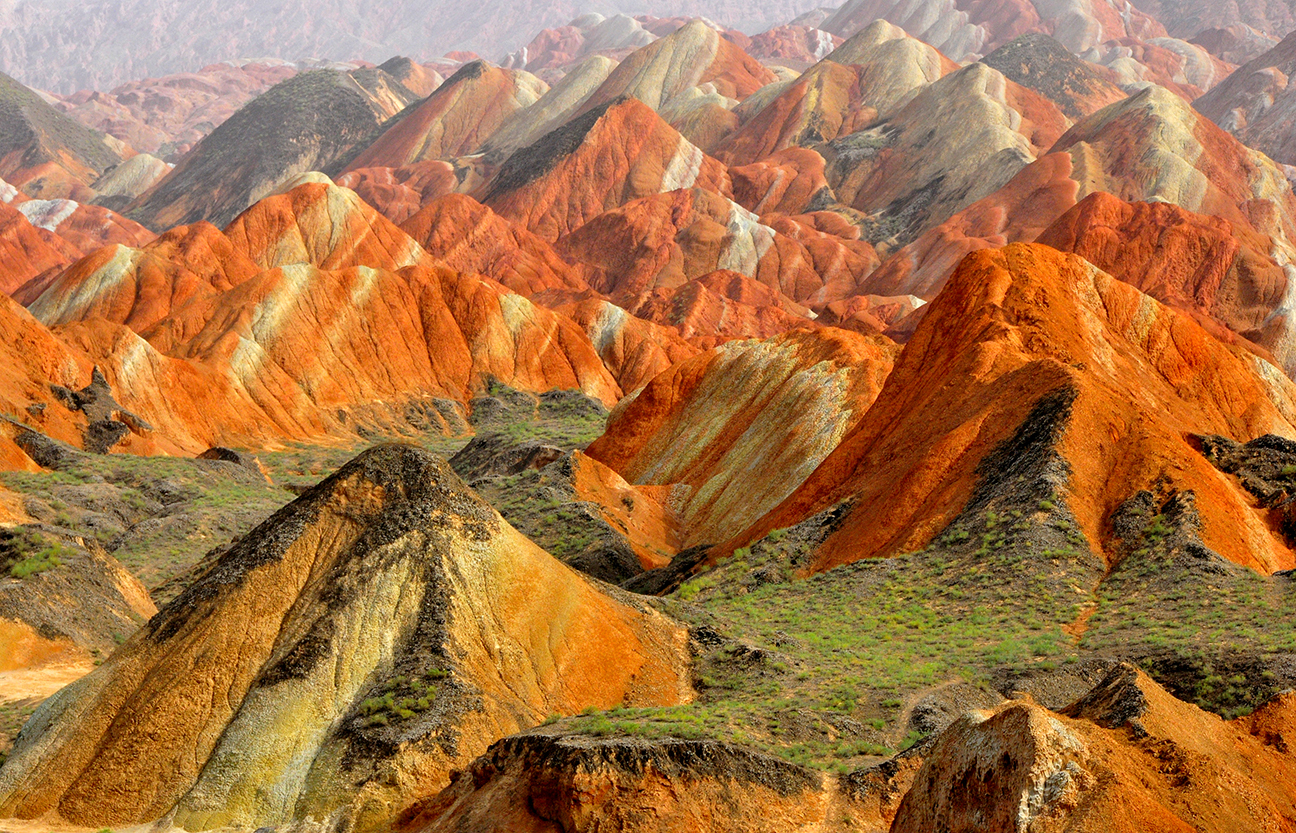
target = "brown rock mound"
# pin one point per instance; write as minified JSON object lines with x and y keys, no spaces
{"x":392,"y":599}
{"x":1127,"y":756}
{"x":539,"y":781}
{"x":398,"y":193}
{"x":1189,"y":261}
{"x":325,"y":225}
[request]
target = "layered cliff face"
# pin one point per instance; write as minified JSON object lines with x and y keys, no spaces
{"x":722,"y":424}
{"x":367,"y":598}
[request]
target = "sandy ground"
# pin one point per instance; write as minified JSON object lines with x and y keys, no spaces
{"x":39,"y":683}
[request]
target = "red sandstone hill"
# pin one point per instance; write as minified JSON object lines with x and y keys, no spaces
{"x":470,"y":237}
{"x":299,"y":285}
{"x":454,"y":120}
{"x":400,"y":192}
{"x":27,"y":251}
{"x":777,"y":407}
{"x":1138,"y":150}
{"x":1059,"y":361}
{"x":37,"y":237}
{"x":1193,"y":262}
{"x":616,"y":153}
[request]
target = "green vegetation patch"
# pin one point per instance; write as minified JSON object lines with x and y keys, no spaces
{"x":402,"y":697}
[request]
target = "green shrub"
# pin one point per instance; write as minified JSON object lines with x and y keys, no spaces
{"x":44,"y":559}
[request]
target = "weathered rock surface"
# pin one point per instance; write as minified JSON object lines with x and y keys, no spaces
{"x":537,"y":781}
{"x":959,"y":139}
{"x":398,"y":193}
{"x":85,"y":602}
{"x":1126,"y":755}
{"x":28,"y":251}
{"x":553,"y":109}
{"x":1042,"y":64}
{"x":120,"y":186}
{"x":793,"y":45}
{"x":140,"y":286}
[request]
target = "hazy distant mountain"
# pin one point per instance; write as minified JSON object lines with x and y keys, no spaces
{"x":65,"y":45}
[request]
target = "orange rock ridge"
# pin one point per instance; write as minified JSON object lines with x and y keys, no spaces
{"x":1011,"y":326}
